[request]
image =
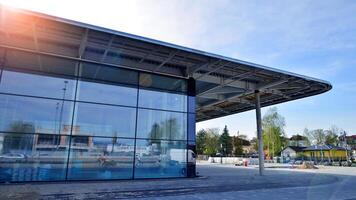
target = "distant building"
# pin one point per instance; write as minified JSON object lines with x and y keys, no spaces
{"x":291,"y":153}
{"x":326,"y":153}
{"x":298,"y":141}
{"x":351,"y":142}
{"x":248,"y":148}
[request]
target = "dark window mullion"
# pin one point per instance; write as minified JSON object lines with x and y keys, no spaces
{"x":71,"y":127}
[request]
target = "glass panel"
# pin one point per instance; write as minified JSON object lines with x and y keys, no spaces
{"x":105,"y":93}
{"x":153,"y":124}
{"x":162,"y":100}
{"x":37,"y":85}
{"x":163,"y":82}
{"x":104,"y":120}
{"x":30,"y":157}
{"x":160,"y":159}
{"x":111,"y":74}
{"x":93,"y":158}
{"x":41,"y":63}
{"x":191,"y":127}
{"x":35,"y":115}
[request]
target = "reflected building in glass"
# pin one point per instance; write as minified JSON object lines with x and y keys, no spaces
{"x":89,"y":121}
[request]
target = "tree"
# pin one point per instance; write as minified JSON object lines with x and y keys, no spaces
{"x":226,"y":143}
{"x":306,"y":134}
{"x":201,"y":141}
{"x":323,"y":137}
{"x":254,"y":142}
{"x":212,"y":142}
{"x":167,"y":129}
{"x":315,"y":137}
{"x":319,"y":137}
{"x":237,"y":144}
{"x":331,"y":138}
{"x":273,"y":130}
{"x":17,"y":140}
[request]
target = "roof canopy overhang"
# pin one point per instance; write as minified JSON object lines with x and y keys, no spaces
{"x":224,"y":86}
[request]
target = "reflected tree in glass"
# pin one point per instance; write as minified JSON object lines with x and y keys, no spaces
{"x":24,"y":141}
{"x":168,"y":129}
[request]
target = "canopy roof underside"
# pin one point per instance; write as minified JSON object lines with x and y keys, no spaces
{"x":224,"y":86}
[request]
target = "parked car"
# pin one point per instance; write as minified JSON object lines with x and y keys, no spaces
{"x":353,"y":159}
{"x":13,"y":157}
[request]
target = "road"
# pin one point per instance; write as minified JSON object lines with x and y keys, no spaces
{"x":215,"y":182}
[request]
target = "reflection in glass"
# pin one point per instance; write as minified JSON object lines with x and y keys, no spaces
{"x":110,"y":74}
{"x":35,"y":115}
{"x":153,"y":124}
{"x":162,"y":82}
{"x":160,"y":159}
{"x":37,"y":85}
{"x":104,"y":120}
{"x":28,"y":157}
{"x":41,"y":63}
{"x":106,"y":93}
{"x":93,"y":158}
{"x":162,"y":100}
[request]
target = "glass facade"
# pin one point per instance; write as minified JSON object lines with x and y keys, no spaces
{"x":93,"y":122}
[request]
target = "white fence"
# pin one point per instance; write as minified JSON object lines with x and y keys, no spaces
{"x":233,"y":160}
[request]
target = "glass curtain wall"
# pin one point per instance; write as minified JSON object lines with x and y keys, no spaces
{"x":65,"y":120}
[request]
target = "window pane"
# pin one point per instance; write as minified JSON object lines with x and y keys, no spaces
{"x":37,"y":85}
{"x":162,"y":100}
{"x":105,"y":93}
{"x":104,"y":120}
{"x":163,"y":82}
{"x":160,"y":159}
{"x":41,"y":63}
{"x":154,"y":124}
{"x":93,"y":158}
{"x":30,"y":157}
{"x":111,"y":74}
{"x":35,"y":115}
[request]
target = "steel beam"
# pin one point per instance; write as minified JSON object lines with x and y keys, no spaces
{"x":214,"y":70}
{"x":35,"y":40}
{"x":198,"y":67}
{"x":228,"y":82}
{"x":107,"y":48}
{"x":170,"y":57}
{"x":238,"y":83}
{"x":149,"y":53}
{"x":83,"y":43}
{"x":121,"y":65}
{"x":276,"y":92}
{"x":248,"y":92}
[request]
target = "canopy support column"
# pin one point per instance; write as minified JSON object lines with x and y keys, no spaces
{"x":259,"y":133}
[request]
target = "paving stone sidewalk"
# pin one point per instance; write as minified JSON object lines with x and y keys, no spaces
{"x":214,"y":179}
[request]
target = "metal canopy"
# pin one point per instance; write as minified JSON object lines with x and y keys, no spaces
{"x":224,"y":86}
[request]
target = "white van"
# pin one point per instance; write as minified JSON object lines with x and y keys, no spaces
{"x":179,"y":155}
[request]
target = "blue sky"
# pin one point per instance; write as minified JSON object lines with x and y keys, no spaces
{"x":314,"y":38}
